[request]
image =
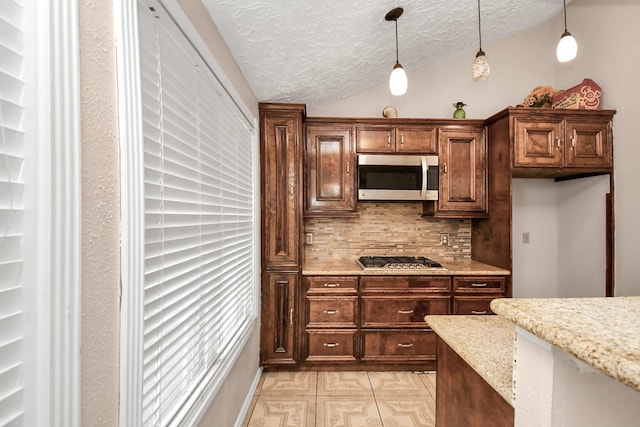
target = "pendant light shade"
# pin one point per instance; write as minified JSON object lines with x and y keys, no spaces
{"x":567,"y":46}
{"x":398,"y":79}
{"x":481,"y":66}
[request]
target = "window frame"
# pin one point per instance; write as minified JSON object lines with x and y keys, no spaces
{"x":132,"y":207}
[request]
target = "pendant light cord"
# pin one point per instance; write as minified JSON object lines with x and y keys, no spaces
{"x":397,"y":58}
{"x":479,"y":27}
{"x":564,"y":2}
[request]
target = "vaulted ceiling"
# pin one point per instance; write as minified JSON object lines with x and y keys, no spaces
{"x":319,"y":51}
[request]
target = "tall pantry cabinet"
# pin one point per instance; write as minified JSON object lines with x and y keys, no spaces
{"x":281,"y":150}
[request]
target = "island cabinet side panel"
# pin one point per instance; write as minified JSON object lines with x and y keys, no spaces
{"x":463,"y":398}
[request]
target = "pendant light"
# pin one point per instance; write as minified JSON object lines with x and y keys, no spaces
{"x":398,"y":77}
{"x":567,"y":46}
{"x":481,"y":63}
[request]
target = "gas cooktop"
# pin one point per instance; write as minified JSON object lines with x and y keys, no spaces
{"x":397,"y":262}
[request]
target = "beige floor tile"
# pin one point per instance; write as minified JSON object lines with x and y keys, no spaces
{"x":429,"y":380}
{"x":289,"y":383}
{"x":284,"y":411}
{"x":399,"y":411}
{"x":397,"y":384}
{"x":347,"y":411}
{"x":344,"y":383}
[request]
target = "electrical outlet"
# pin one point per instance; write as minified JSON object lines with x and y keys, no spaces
{"x":444,"y":239}
{"x":525,"y":237}
{"x":308,"y":238}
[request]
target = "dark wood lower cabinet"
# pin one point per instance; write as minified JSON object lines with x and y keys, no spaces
{"x":278,"y":338}
{"x":399,"y":345}
{"x":463,"y":398}
{"x":362,"y":322}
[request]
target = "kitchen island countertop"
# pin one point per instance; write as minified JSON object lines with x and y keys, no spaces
{"x":602,"y":332}
{"x":349,"y":267}
{"x":485,"y":343}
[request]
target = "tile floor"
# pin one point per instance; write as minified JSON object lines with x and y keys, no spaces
{"x":343,"y":399}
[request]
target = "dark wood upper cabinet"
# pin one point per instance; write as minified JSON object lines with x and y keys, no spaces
{"x":462,"y":154}
{"x":281,"y":184}
{"x":330,"y":170}
{"x":396,"y":139}
{"x":558,"y":143}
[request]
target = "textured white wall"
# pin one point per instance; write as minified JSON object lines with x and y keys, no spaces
{"x":606,"y":33}
{"x":535,"y":265}
{"x":100,"y":215}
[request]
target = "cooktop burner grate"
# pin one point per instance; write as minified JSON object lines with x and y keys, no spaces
{"x":397,"y":262}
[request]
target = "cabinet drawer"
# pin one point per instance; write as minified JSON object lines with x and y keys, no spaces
{"x":331,"y":285}
{"x":331,"y":311}
{"x":474,"y":304}
{"x":479,"y":284}
{"x":399,"y":345}
{"x":407,"y":311}
{"x":335,"y":345}
{"x":420,"y":284}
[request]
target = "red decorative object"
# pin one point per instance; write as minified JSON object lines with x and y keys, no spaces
{"x":585,"y":96}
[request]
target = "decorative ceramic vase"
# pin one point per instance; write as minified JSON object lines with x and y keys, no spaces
{"x":459,"y":113}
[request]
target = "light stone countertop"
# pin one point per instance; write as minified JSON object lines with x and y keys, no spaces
{"x":485,"y":343}
{"x":602,"y":332}
{"x":349,"y":267}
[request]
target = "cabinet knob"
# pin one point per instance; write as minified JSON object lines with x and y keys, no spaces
{"x":405,"y":311}
{"x":331,"y":344}
{"x":405,"y":345}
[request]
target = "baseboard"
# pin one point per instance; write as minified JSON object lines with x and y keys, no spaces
{"x":246,"y":406}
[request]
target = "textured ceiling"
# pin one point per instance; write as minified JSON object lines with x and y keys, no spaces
{"x":319,"y":51}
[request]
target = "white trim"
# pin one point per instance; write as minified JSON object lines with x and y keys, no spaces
{"x":132,"y":209}
{"x":65,"y":246}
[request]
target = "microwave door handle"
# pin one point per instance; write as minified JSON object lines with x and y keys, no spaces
{"x":425,"y":168}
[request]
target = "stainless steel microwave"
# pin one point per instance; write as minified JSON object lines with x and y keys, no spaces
{"x":397,"y":177}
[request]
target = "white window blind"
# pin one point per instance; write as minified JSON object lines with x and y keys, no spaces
{"x":199,"y":283}
{"x":12,"y":142}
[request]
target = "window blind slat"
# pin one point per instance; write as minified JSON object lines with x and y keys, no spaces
{"x":199,"y":220}
{"x":12,"y":137}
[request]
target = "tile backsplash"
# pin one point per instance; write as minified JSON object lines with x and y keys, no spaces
{"x":387,"y":229}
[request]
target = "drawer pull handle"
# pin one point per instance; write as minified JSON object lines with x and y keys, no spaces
{"x":405,"y":345}
{"x":291,"y":316}
{"x":405,"y":311}
{"x":389,"y":139}
{"x":330,"y":311}
{"x":331,"y":344}
{"x":478,"y":312}
{"x":557,"y":142}
{"x":402,"y":139}
{"x":479,"y":285}
{"x":331,"y":285}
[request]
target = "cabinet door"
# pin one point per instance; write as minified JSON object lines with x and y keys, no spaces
{"x":588,"y":144}
{"x":416,"y":139}
{"x":463,"y":172}
{"x":330,"y":169}
{"x":278,"y":310}
{"x":538,"y":143}
{"x":375,"y":139}
{"x":281,"y":189}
